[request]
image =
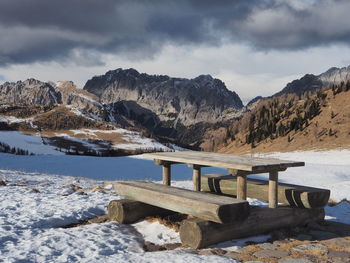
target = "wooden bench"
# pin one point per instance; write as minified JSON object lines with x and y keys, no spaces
{"x":239,"y":166}
{"x":288,"y":194}
{"x":220,"y":209}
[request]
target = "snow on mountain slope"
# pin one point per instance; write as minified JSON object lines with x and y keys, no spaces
{"x":90,"y":138}
{"x":34,"y":144}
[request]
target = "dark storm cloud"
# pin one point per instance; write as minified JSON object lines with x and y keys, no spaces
{"x":42,"y":30}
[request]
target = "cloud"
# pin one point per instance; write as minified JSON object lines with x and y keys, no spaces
{"x":248,"y":73}
{"x":81,"y":31}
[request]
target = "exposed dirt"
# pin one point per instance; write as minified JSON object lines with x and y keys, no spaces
{"x":328,"y":130}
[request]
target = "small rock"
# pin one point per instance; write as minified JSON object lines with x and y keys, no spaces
{"x":339,"y":241}
{"x":311,"y":246}
{"x":322,"y":235}
{"x":267,"y":246}
{"x":98,"y":188}
{"x":234,"y":255}
{"x":2,"y":182}
{"x":338,"y":254}
{"x":74,"y":187}
{"x":271,"y":254}
{"x":294,"y":260}
{"x":151,"y":247}
{"x":214,"y":251}
{"x":303,"y":237}
{"x":98,"y":219}
{"x":34,"y":190}
{"x":172,"y":246}
{"x":80,"y":192}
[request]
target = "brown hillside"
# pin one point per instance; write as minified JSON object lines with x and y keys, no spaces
{"x":289,"y":123}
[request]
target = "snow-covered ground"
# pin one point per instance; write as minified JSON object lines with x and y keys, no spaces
{"x":38,"y":201}
{"x":34,"y":143}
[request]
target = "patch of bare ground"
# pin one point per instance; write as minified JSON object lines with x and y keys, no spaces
{"x":62,"y":118}
{"x":327,"y":128}
{"x":23,"y":111}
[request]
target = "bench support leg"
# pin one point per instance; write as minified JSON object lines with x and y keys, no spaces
{"x":166,"y":174}
{"x":196,"y":178}
{"x":273,"y":189}
{"x":242,"y":187}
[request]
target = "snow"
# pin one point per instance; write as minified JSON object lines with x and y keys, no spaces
{"x":323,"y":169}
{"x":12,"y":119}
{"x":30,"y":225}
{"x":156,"y":233}
{"x":39,"y":200}
{"x":136,"y":141}
{"x":33,"y":144}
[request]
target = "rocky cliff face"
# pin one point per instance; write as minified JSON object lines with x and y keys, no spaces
{"x":311,"y":82}
{"x":29,"y":92}
{"x":152,"y":99}
{"x":335,"y":76}
{"x":80,"y":99}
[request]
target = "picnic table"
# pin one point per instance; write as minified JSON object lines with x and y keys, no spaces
{"x":236,"y":165}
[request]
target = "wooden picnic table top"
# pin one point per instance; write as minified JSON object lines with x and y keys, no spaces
{"x":229,"y":161}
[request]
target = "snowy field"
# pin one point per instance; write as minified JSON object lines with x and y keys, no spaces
{"x":38,"y":201}
{"x":34,"y":143}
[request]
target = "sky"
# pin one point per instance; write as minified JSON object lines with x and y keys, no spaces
{"x":256,"y":47}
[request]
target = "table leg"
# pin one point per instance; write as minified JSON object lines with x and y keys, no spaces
{"x":166,"y":174}
{"x":196,"y":178}
{"x":273,"y":189}
{"x":242,"y":187}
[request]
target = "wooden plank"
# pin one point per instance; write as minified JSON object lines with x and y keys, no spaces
{"x":242,"y":187}
{"x":273,"y":189}
{"x":196,"y":178}
{"x":288,"y":194}
{"x":166,"y":174}
{"x":220,"y":209}
{"x":238,"y":162}
{"x":199,"y":233}
{"x":129,"y":211}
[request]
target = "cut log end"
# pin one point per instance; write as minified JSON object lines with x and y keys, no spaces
{"x":190,"y":234}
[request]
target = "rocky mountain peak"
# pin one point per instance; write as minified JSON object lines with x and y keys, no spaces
{"x":29,"y":92}
{"x":310,"y":82}
{"x":335,"y":75}
{"x":166,"y":99}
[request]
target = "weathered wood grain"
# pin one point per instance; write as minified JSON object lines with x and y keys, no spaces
{"x":220,"y":209}
{"x":198,"y":233}
{"x":129,"y":211}
{"x":242,"y":187}
{"x":288,"y":194}
{"x":231,"y":161}
{"x":167,"y":174}
{"x":196,"y":178}
{"x":273,"y":189}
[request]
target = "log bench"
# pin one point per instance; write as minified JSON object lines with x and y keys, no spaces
{"x":288,"y":194}
{"x":219,"y":209}
{"x":199,"y":233}
{"x":236,"y":165}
